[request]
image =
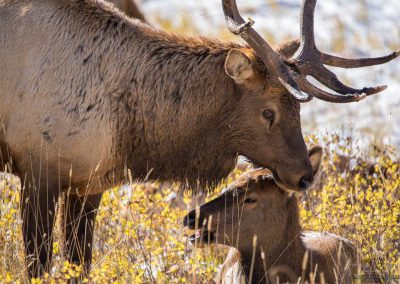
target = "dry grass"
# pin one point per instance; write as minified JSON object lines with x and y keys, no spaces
{"x":140,"y":238}
{"x":359,"y":198}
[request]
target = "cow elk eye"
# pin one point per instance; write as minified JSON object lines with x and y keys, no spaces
{"x":268,"y":115}
{"x":250,"y":200}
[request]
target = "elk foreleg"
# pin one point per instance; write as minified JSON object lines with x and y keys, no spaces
{"x":38,"y":216}
{"x":79,"y":218}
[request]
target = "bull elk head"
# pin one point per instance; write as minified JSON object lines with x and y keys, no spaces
{"x":307,"y":61}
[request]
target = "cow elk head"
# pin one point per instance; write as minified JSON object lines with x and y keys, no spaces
{"x":253,"y":205}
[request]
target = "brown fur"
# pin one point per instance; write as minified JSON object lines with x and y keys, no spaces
{"x":273,"y":216}
{"x":88,"y":94}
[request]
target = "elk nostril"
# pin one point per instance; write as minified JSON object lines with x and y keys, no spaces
{"x":305,"y":182}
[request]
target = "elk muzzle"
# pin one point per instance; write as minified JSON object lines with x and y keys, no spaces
{"x":298,"y":177}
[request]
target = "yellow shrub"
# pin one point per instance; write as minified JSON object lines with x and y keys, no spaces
{"x":140,"y":238}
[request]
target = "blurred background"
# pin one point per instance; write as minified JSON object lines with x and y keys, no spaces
{"x":356,"y":28}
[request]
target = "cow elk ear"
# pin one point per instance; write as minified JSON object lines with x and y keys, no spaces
{"x":238,"y":66}
{"x":315,"y":155}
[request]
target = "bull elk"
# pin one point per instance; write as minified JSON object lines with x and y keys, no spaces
{"x":88,"y":94}
{"x":256,"y":205}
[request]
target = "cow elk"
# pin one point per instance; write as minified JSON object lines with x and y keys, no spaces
{"x":89,"y":94}
{"x":256,"y":205}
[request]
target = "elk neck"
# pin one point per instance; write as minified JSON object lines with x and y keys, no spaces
{"x":182,"y":102}
{"x":169,"y":99}
{"x":289,"y":251}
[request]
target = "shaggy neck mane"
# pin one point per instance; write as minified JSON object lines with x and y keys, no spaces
{"x":168,"y":96}
{"x":182,"y":119}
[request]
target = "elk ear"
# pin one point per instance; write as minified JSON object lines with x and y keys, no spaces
{"x":315,"y":155}
{"x":238,"y":66}
{"x":288,"y":49}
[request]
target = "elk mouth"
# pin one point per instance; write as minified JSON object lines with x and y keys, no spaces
{"x":278,"y":180}
{"x":273,"y":171}
{"x":202,"y":237}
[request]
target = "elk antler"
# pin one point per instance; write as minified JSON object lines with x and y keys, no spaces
{"x":307,"y":61}
{"x":238,"y":26}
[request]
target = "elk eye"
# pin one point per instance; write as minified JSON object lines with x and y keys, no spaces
{"x":268,"y":115}
{"x":250,"y":200}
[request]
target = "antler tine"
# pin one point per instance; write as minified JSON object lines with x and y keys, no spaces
{"x":238,"y":26}
{"x":336,"y":61}
{"x":335,"y":98}
{"x":330,"y":80}
{"x":307,"y":25}
{"x":310,"y":61}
